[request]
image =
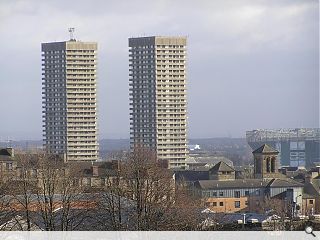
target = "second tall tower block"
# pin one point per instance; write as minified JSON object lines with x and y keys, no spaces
{"x":158,"y":99}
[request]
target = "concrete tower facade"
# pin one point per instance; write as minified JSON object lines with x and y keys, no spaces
{"x":158,"y":99}
{"x":70,"y":99}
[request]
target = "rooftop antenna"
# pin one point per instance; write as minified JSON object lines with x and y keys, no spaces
{"x":71,"y":31}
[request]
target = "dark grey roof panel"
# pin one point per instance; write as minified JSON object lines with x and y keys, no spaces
{"x":265,"y":148}
{"x":222,"y":167}
{"x":247,"y":183}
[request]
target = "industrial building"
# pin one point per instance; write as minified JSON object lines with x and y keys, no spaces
{"x":298,"y":147}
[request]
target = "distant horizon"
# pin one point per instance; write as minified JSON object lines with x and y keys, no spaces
{"x":2,"y":140}
{"x":35,"y":140}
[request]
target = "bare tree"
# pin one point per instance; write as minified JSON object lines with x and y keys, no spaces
{"x":139,"y":195}
{"x":5,"y":211}
{"x":280,"y":212}
{"x":22,"y":189}
{"x":143,"y":196}
{"x":114,"y":198}
{"x":59,"y":194}
{"x":115,"y":204}
{"x":47,"y":192}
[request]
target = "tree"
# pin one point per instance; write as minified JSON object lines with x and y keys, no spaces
{"x":143,"y":196}
{"x":279,"y":210}
{"x":47,"y":192}
{"x":138,"y":195}
{"x":61,"y":199}
{"x":21,"y":189}
{"x":5,"y":212}
{"x":114,"y":203}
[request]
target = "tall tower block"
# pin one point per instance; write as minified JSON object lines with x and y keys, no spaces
{"x":69,"y":86}
{"x":158,"y":98}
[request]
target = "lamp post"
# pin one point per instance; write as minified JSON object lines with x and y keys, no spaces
{"x":295,"y":205}
{"x":243,"y":220}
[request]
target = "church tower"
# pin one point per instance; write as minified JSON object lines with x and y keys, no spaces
{"x":265,"y":162}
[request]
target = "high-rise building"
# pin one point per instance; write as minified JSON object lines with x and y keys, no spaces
{"x":158,"y":99}
{"x":70,"y":99}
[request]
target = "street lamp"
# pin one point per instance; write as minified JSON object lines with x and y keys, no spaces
{"x":295,"y":205}
{"x":243,"y":220}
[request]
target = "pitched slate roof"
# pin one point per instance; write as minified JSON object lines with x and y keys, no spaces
{"x":237,"y":183}
{"x":307,"y":196}
{"x":222,"y":167}
{"x":247,"y":183}
{"x":4,"y":152}
{"x":191,"y":175}
{"x":212,"y":160}
{"x":265,"y":148}
{"x":5,"y":155}
{"x":284,"y":182}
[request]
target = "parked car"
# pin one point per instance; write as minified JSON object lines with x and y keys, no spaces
{"x":239,"y":221}
{"x":253,"y":220}
{"x":316,"y":216}
{"x":275,"y":217}
{"x":300,"y":217}
{"x":303,"y":217}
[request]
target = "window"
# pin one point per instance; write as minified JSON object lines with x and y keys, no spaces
{"x":237,"y":194}
{"x":214,"y":194}
{"x":221,"y":194}
{"x":9,"y":166}
{"x":246,"y":203}
{"x":268,"y":165}
{"x":33,"y":172}
{"x":310,"y":201}
{"x":221,"y":204}
{"x":206,"y":194}
{"x":214,"y":204}
{"x":237,"y":204}
{"x":246,"y":193}
{"x":273,"y":164}
{"x":293,"y":145}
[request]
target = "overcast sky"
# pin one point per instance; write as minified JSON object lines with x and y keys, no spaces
{"x":251,"y":64}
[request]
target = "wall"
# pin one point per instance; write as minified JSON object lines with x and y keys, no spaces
{"x":228,"y":204}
